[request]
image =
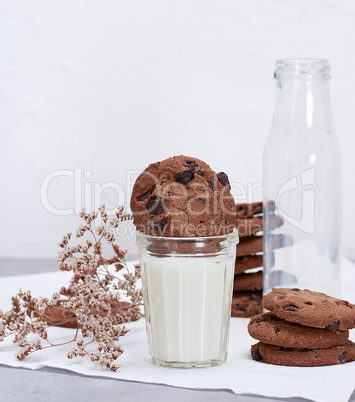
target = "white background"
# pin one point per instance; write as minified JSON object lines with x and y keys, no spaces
{"x":110,"y":86}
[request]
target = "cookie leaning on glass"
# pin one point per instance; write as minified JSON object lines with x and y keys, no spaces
{"x":304,"y":329}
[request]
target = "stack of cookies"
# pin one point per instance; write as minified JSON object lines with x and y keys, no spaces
{"x":248,"y":279}
{"x":303,"y":328}
{"x":248,"y":285}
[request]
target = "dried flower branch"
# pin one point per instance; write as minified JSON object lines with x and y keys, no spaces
{"x":92,"y":298}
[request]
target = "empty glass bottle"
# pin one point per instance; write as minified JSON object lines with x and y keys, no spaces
{"x":302,"y":182}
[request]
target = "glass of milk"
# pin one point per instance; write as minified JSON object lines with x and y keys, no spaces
{"x":187,"y":288}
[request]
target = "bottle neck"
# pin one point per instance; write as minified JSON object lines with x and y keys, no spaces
{"x":302,"y":104}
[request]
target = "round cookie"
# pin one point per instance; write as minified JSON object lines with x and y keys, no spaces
{"x":248,"y":262}
{"x":182,"y":197}
{"x":312,"y":309}
{"x":303,"y":357}
{"x":249,"y":210}
{"x":269,"y":329}
{"x":248,"y":281}
{"x":246,"y":304}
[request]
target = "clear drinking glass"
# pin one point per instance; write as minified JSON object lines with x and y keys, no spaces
{"x":187,"y":289}
{"x":302,"y":182}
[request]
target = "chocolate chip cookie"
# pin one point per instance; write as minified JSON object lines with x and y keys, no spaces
{"x":249,"y":210}
{"x":249,"y":226}
{"x":248,"y":262}
{"x":270,"y":329}
{"x":252,"y":226}
{"x":65,"y":317}
{"x":312,"y":309}
{"x":250,"y":245}
{"x":246,"y":304}
{"x":182,"y":197}
{"x":248,"y":281}
{"x":283,"y":356}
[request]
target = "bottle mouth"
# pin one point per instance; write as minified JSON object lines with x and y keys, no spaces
{"x":302,"y":69}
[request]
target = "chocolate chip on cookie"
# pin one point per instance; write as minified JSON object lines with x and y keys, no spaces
{"x":184,"y":177}
{"x":223,"y":179}
{"x":155,"y":206}
{"x":211,"y":186}
{"x":192,"y":165}
{"x":145,"y":195}
{"x":270,"y":329}
{"x":312,"y":309}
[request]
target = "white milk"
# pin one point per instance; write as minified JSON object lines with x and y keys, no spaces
{"x":187,"y":307}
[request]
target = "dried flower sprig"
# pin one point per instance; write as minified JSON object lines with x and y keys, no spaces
{"x":93,"y":296}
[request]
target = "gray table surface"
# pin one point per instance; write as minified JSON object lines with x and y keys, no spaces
{"x":51,"y":385}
